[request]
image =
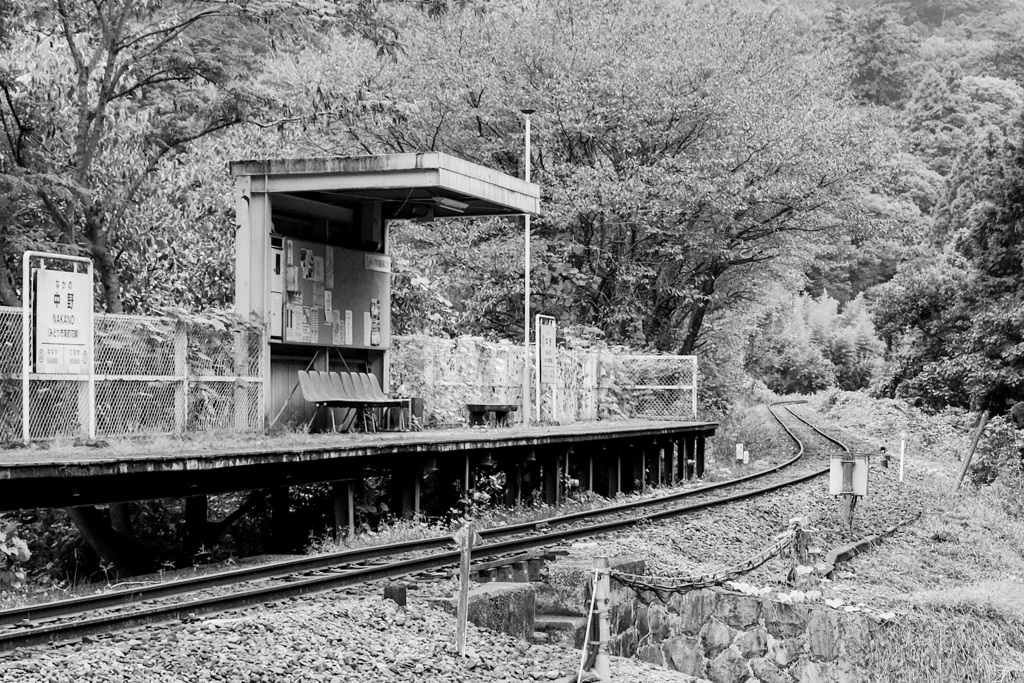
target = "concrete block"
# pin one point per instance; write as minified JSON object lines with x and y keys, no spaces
{"x":567,"y":590}
{"x":504,"y":607}
{"x":562,"y":630}
{"x":823,"y":633}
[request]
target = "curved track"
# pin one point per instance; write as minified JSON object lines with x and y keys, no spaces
{"x":68,"y":619}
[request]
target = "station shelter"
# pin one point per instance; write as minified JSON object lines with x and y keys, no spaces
{"x":313,"y":253}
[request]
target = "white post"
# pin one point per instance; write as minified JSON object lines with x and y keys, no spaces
{"x":91,"y":350}
{"x":903,"y":451}
{"x":540,"y":361}
{"x":526,"y":295}
{"x":694,"y":380}
{"x":26,"y":360}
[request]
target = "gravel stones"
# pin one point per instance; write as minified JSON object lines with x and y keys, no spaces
{"x":329,"y":638}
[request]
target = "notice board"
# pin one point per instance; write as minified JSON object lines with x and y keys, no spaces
{"x":335,"y":296}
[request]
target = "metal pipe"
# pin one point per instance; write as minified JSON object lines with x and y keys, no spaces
{"x":526,"y":294}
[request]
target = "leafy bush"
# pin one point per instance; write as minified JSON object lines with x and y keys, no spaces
{"x":14,"y":553}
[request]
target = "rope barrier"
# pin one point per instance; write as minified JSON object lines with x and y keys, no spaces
{"x":664,"y":586}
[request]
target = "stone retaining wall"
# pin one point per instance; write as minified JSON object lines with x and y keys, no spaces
{"x":730,"y":637}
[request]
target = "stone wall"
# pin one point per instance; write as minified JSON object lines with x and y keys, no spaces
{"x":730,"y":637}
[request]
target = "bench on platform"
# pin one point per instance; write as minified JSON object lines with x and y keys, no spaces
{"x":357,"y":390}
{"x":490,"y":414}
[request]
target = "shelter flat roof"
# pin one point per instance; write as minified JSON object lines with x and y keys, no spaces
{"x":451,"y":186}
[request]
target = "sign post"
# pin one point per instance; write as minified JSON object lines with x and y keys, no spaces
{"x":903,"y":451}
{"x":465,"y":538}
{"x":547,"y":362}
{"x":57,"y":329}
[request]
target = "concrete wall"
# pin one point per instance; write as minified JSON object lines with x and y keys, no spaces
{"x":729,"y":637}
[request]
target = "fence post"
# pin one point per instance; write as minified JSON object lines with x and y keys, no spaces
{"x":602,"y":662}
{"x":241,"y":386}
{"x":181,"y":378}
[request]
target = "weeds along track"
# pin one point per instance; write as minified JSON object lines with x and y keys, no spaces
{"x":188,"y":598}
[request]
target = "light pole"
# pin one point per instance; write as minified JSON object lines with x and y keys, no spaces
{"x":526,"y":281}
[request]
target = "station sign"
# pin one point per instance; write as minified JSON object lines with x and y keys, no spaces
{"x":547,"y":356}
{"x":63,"y":322}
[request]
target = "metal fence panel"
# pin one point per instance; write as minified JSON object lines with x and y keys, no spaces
{"x":10,"y":374}
{"x":592,"y":384}
{"x":153,"y":376}
{"x":660,"y":387}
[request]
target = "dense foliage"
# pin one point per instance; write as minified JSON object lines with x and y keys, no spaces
{"x":731,"y":178}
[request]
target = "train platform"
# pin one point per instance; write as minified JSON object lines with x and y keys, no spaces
{"x":604,"y":456}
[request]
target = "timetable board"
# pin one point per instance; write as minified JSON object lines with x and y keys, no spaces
{"x":335,"y":297}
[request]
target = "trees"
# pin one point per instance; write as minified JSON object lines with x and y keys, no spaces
{"x":954,"y":321}
{"x":684,"y":151}
{"x":879,"y":48}
{"x":95,"y":97}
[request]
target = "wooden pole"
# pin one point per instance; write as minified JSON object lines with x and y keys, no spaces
{"x":466,"y":538}
{"x":982,"y":421}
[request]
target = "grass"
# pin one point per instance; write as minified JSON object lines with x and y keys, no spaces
{"x":402,"y":530}
{"x":956,"y":576}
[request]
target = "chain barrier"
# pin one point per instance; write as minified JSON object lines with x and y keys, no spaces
{"x":665,"y":586}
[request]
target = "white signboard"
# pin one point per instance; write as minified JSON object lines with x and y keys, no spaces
{"x":379,"y":262}
{"x":547,"y":358}
{"x":63,"y":322}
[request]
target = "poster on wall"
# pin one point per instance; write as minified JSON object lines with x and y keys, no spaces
{"x":342,"y":297}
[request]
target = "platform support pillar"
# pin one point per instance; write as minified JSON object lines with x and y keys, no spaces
{"x":659,"y":458}
{"x":196,"y":509}
{"x":344,"y":498}
{"x":281,"y":540}
{"x":590,"y":471}
{"x":405,"y":491}
{"x":688,"y":454}
{"x":671,"y":460}
{"x":551,"y":476}
{"x":639,"y":478}
{"x":699,"y":456}
{"x":618,"y":473}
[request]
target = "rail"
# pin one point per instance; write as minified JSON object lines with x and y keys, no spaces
{"x":22,"y":628}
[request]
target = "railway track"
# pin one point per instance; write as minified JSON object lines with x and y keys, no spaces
{"x":189,"y":598}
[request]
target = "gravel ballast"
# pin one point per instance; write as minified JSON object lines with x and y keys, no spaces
{"x":331,"y":638}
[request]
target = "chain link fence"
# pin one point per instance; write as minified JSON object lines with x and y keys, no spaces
{"x":659,"y":387}
{"x":153,"y":376}
{"x":592,"y":384}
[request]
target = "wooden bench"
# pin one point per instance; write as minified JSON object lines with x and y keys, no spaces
{"x":356,"y":390}
{"x":490,"y":414}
